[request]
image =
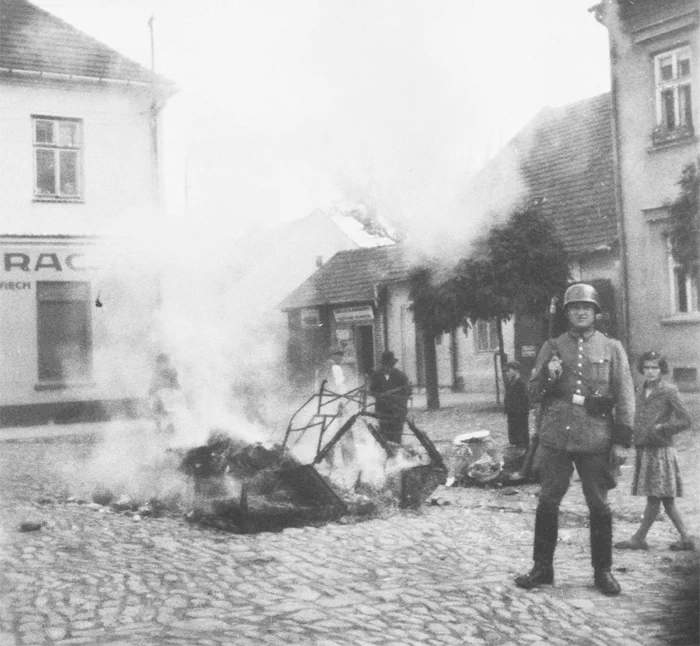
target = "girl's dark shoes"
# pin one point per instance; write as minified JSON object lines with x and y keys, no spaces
{"x":539,"y":575}
{"x":606,"y":582}
{"x":687,"y":545}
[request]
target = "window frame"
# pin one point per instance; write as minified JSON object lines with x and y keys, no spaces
{"x":682,"y":125}
{"x":491,"y":334}
{"x":690,"y":288}
{"x":56,"y":147}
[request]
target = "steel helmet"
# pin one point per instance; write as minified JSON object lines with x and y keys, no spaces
{"x":582,"y":293}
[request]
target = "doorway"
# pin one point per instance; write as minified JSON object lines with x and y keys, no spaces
{"x":365,"y":349}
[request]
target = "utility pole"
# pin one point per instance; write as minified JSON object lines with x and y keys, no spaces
{"x":151,"y":22}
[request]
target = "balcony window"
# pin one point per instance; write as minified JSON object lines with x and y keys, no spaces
{"x":674,"y":113}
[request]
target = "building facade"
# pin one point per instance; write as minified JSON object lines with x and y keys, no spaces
{"x":562,"y":163}
{"x":79,"y":156}
{"x":656,"y":98}
{"x":360,"y":301}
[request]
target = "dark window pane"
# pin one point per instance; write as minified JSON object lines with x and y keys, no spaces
{"x":669,"y":115}
{"x":686,"y":106}
{"x":67,"y":133}
{"x":64,"y":335}
{"x":666,"y":68}
{"x":45,"y":172}
{"x":44,"y":132}
{"x":684,"y":67}
{"x":681,"y":290}
{"x":69,"y":172}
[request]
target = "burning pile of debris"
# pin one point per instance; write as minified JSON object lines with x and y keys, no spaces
{"x":253,"y":487}
{"x":347,"y":469}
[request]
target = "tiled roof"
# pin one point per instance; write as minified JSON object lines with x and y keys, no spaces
{"x":351,"y":277}
{"x":33,"y":40}
{"x":566,"y":158}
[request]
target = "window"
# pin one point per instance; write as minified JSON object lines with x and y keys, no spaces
{"x":64,"y":331}
{"x":486,"y":336}
{"x":674,"y":114}
{"x":57,"y":158}
{"x":684,"y":288}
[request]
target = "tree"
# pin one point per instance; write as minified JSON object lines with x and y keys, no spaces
{"x":684,"y":221}
{"x":436,"y":309}
{"x":515,"y":269}
{"x":523,"y":267}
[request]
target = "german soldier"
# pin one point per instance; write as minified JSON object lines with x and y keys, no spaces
{"x":584,"y":380}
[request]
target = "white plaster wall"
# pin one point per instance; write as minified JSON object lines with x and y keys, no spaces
{"x":121,"y":328}
{"x":117,"y":171}
{"x":476,"y":368}
{"x":648,"y":178}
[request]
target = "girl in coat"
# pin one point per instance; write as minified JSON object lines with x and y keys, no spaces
{"x":659,"y":415}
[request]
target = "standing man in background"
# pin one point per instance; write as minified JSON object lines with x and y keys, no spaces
{"x":584,"y":380}
{"x":516,"y":406}
{"x":391,"y":390}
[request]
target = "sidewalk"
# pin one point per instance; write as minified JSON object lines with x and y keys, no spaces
{"x":48,"y":432}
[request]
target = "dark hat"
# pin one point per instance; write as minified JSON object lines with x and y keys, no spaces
{"x":336,"y":350}
{"x":515,"y":365}
{"x":388,"y":357}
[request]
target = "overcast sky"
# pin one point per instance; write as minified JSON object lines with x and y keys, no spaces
{"x":286,"y":103}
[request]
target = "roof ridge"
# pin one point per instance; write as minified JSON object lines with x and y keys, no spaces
{"x":133,"y":70}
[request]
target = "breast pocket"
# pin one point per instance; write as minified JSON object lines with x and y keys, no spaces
{"x":599,"y":371}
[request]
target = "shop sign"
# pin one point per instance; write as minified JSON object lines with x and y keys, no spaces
{"x":310,"y":317}
{"x":16,"y":262}
{"x":15,"y":285}
{"x":358,"y":314}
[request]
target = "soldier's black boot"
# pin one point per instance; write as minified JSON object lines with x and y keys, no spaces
{"x":546,"y":529}
{"x":601,"y":553}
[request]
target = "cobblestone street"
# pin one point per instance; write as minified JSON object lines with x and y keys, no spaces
{"x":442,"y":575}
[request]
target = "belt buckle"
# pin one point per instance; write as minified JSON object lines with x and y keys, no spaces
{"x":579,"y":400}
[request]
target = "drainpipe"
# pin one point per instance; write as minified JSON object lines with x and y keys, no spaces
{"x":619,"y":197}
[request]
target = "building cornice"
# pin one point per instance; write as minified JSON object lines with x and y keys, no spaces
{"x":661,"y":28}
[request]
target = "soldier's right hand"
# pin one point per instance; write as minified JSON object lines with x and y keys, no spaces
{"x":554,"y":367}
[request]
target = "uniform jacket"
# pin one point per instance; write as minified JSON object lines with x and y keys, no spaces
{"x":516,"y":400}
{"x":391,"y":390}
{"x":593,"y":364}
{"x":663,"y":406}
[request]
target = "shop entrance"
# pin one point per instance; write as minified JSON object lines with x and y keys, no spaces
{"x":364,"y":338}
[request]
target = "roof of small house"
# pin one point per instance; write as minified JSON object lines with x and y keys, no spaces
{"x":565,"y":158}
{"x":351,"y":276}
{"x":33,"y":40}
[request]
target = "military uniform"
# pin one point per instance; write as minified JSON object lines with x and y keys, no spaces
{"x":585,"y":410}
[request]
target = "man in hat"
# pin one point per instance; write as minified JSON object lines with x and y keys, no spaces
{"x":516,"y":406}
{"x":391,"y":390}
{"x":584,"y":381}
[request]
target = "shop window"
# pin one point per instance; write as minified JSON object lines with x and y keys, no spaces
{"x":57,"y":158}
{"x":486,"y":336}
{"x":674,"y":113}
{"x":64,"y":331}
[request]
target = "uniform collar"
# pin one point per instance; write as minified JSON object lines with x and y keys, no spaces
{"x":586,"y":335}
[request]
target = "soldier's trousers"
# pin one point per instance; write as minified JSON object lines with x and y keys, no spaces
{"x":556,"y":468}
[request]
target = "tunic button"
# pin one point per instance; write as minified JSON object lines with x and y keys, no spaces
{"x":580,"y":365}
{"x":568,"y":428}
